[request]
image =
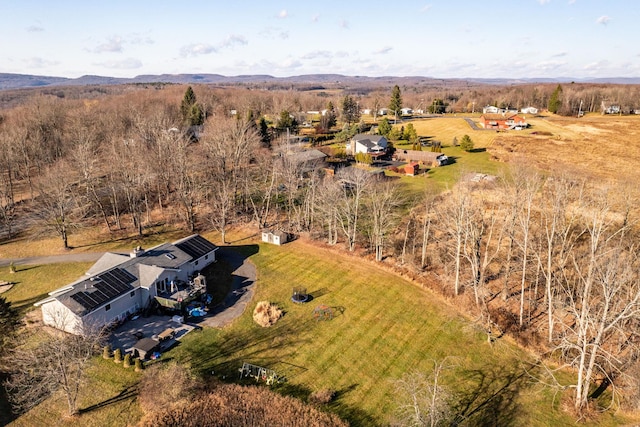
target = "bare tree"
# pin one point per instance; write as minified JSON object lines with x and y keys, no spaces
{"x":56,"y":363}
{"x":355,"y":182}
{"x":382,"y":214}
{"x":56,"y":207}
{"x":423,"y":400}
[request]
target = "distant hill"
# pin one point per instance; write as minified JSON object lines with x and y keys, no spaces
{"x":18,"y":81}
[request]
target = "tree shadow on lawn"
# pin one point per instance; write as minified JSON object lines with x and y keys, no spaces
{"x":490,"y":396}
{"x":260,"y":346}
{"x":127,"y":393}
{"x":355,"y":416}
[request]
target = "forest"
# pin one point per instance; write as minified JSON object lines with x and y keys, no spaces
{"x":548,"y":257}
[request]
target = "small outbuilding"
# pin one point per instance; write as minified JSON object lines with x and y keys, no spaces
{"x":277,"y":237}
{"x":145,"y":348}
{"x":412,"y":169}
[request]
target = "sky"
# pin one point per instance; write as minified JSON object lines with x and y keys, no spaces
{"x":431,"y":38}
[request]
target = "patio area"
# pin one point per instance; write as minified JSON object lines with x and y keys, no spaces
{"x":152,"y":327}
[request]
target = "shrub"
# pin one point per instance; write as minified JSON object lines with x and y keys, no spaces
{"x":322,"y":397}
{"x":266,"y":314}
{"x":117,"y":356}
{"x":238,"y":406}
{"x":466,"y":143}
{"x":127,"y":360}
{"x":139,"y":365}
{"x":106,"y":352}
{"x":178,"y":386}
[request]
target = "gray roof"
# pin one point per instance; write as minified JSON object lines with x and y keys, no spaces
{"x":109,"y":279}
{"x":361,"y":137}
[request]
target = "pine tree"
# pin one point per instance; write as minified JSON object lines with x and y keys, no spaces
{"x":395,"y":105}
{"x":555,"y":101}
{"x":192,"y":113}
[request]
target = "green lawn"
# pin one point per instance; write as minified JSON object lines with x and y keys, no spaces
{"x":33,"y":282}
{"x":383,"y":328}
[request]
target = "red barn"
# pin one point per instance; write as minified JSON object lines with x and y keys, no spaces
{"x":502,"y":121}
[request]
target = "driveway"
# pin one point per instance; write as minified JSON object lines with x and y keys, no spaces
{"x":242,"y":290}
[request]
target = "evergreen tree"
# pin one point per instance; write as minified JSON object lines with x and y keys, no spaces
{"x":287,"y":121}
{"x":9,"y":321}
{"x":466,"y":143}
{"x":350,"y":110}
{"x":555,"y":101}
{"x":192,"y":113}
{"x":265,"y":135}
{"x":395,"y":105}
{"x":384,"y":127}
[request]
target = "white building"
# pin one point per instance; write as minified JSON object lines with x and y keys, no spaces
{"x":119,"y":285}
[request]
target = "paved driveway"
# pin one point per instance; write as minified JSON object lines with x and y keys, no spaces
{"x":242,"y":290}
{"x":146,"y":327}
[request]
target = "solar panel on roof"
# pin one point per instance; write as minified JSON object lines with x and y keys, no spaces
{"x":196,"y":246}
{"x":82,"y":300}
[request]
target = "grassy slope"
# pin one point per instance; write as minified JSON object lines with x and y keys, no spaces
{"x":388,"y":327}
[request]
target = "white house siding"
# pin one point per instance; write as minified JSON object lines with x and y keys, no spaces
{"x":57,"y":315}
{"x":119,"y":309}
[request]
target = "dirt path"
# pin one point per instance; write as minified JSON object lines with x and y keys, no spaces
{"x":53,"y":259}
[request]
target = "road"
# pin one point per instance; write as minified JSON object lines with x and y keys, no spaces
{"x":52,"y":259}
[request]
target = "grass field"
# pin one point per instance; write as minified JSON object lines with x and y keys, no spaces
{"x":383,"y":328}
{"x":33,"y":282}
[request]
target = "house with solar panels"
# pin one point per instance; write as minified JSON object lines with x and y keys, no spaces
{"x":119,"y":285}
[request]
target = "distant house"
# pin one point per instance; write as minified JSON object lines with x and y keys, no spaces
{"x":383,"y":111}
{"x":305,"y":160}
{"x":406,"y":111}
{"x":375,"y":145}
{"x":366,"y":111}
{"x":490,"y":109}
{"x":503,"y":121}
{"x":529,"y":110}
{"x":412,"y":169}
{"x":428,"y":158}
{"x":278,"y":237}
{"x":610,"y":109}
{"x":118,"y":285}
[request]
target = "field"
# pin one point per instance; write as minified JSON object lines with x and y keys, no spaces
{"x":383,"y":328}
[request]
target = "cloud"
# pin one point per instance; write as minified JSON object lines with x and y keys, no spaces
{"x":283,"y":14}
{"x":383,"y":50}
{"x":35,"y":29}
{"x":572,"y":1}
{"x":233,"y":40}
{"x":197,"y":49}
{"x":274,"y":32}
{"x":596,"y":66}
{"x":124,"y":64}
{"x":425,"y":8}
{"x":544,"y":1}
{"x":37,"y":62}
{"x":316,"y":54}
{"x":603,"y":20}
{"x":559,"y":54}
{"x":114,"y":44}
{"x":344,"y":24}
{"x":315,"y":18}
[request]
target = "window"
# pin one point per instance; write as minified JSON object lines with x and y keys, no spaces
{"x":132,"y":294}
{"x":107,"y":307}
{"x":206,"y":256}
{"x":196,"y":263}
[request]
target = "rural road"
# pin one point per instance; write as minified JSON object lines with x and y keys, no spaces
{"x":52,"y":259}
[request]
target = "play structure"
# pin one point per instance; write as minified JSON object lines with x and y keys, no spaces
{"x":259,"y":373}
{"x":299,"y":295}
{"x":323,"y":312}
